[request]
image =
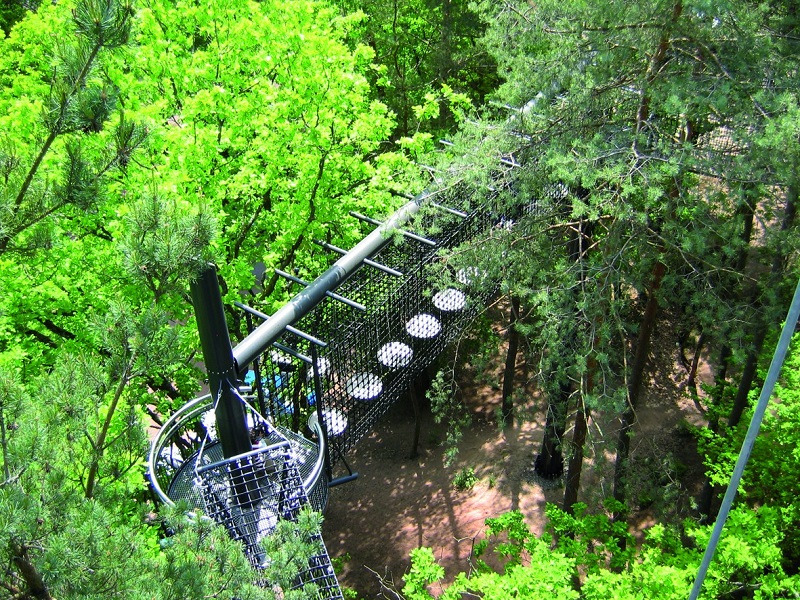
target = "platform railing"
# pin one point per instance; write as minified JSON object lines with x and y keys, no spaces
{"x":184,"y":434}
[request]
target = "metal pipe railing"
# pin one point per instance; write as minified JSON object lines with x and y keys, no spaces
{"x":192,"y":410}
{"x":257,"y":342}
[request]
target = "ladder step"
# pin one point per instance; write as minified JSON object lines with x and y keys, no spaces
{"x":301,"y":334}
{"x":408,"y":234}
{"x":367,"y":261}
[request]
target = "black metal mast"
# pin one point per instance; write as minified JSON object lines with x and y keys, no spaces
{"x":232,"y":429}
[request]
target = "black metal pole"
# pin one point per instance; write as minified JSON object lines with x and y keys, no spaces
{"x":318,"y":401}
{"x":221,"y":368}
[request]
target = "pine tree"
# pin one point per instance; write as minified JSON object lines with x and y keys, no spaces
{"x":648,"y":124}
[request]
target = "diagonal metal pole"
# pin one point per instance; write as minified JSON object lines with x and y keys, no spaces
{"x":262,"y":337}
{"x":747,"y":446}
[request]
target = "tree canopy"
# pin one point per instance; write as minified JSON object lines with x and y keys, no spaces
{"x":648,"y":144}
{"x":650,"y":156}
{"x":138,"y":142}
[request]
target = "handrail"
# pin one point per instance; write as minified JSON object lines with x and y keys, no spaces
{"x":260,"y":339}
{"x":193,"y":409}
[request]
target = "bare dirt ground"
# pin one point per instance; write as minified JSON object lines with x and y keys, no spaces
{"x":398,"y":504}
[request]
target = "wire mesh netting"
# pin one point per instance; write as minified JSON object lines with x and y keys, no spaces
{"x":189,"y":440}
{"x":249,"y":494}
{"x":370,"y":351}
{"x":182,"y":485}
{"x":321,"y":386}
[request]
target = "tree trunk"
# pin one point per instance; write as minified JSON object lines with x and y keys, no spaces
{"x":417,"y":425}
{"x":746,"y":212}
{"x":635,"y":382}
{"x":418,"y":389}
{"x":705,"y":501}
{"x":511,"y":364}
{"x":575,"y":465}
{"x":27,"y":570}
{"x":444,"y":57}
{"x":100,"y":443}
{"x":657,"y":62}
{"x":763,"y":318}
{"x":550,"y":461}
{"x":691,"y":367}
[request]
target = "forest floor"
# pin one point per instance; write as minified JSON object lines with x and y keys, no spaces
{"x":398,"y":504}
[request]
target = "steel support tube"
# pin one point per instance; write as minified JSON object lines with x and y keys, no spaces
{"x":304,"y":302}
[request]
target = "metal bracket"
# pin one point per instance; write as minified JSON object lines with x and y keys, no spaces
{"x":408,"y":234}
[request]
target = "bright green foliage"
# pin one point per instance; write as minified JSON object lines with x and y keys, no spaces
{"x":56,"y":160}
{"x":269,"y":126}
{"x":531,"y":568}
{"x":548,"y":578}
{"x":748,"y":554}
{"x":64,"y":140}
{"x":594,"y":541}
{"x":513,"y":526}
{"x":770,"y":477}
{"x":424,"y":571}
{"x":12,"y":11}
{"x":248,"y":118}
{"x":424,"y":50}
{"x":465,"y":479}
{"x":590,"y":556}
{"x":137,"y":142}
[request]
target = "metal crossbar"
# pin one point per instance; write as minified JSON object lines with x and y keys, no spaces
{"x":381,"y":326}
{"x":373,"y":356}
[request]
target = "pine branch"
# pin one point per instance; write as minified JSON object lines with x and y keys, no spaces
{"x":108,"y":26}
{"x":4,"y":443}
{"x":56,"y":128}
{"x":100,"y":445}
{"x":27,"y":570}
{"x":16,"y":592}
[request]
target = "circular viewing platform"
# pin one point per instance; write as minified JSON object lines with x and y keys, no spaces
{"x":187,"y":444}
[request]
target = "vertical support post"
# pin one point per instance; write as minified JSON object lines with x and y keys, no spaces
{"x":262,"y":404}
{"x":319,"y":406}
{"x":220,"y":365}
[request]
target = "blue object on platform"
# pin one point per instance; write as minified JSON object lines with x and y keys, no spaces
{"x":278,"y":380}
